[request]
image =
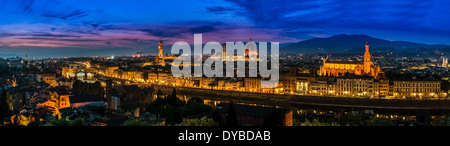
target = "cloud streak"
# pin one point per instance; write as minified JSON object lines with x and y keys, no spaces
{"x":104,"y":24}
{"x":299,"y":18}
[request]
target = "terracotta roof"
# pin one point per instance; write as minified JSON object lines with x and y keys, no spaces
{"x":343,"y":62}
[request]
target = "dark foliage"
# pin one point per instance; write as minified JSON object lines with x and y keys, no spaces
{"x":274,"y":118}
{"x":88,"y":88}
{"x":174,"y":109}
{"x":231,"y":118}
{"x":217,"y":117}
{"x":3,"y":106}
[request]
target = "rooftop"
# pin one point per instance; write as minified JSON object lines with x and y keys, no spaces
{"x":343,"y":62}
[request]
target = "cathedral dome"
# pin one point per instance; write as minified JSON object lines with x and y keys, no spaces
{"x":251,"y":47}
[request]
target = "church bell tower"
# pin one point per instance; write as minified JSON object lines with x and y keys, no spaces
{"x":367,"y":62}
{"x":160,"y":49}
{"x":367,"y":53}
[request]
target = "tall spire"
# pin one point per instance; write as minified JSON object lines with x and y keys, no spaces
{"x":367,"y":46}
{"x":367,"y":53}
{"x":160,"y":49}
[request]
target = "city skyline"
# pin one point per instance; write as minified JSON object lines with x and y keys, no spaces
{"x":62,"y":28}
{"x":223,"y":71}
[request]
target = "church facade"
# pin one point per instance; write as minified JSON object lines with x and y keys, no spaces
{"x":340,"y":68}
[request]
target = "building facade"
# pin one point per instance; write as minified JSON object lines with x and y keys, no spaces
{"x":357,"y":86}
{"x":340,"y":68}
{"x":416,"y":89}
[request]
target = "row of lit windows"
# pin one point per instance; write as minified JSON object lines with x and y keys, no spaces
{"x":413,"y":90}
{"x":417,"y":85}
{"x":354,"y":89}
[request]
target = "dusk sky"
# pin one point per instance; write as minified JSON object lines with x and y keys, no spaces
{"x":53,"y":28}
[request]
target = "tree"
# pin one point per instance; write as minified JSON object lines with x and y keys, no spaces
{"x":159,"y":93}
{"x":66,"y":122}
{"x":174,"y":92}
{"x":88,"y":88}
{"x":274,"y":118}
{"x":98,"y":89}
{"x":217,"y":117}
{"x":34,"y":123}
{"x":3,"y":106}
{"x":135,"y":123}
{"x":4,"y":69}
{"x":198,"y":122}
{"x":194,"y":108}
{"x":78,"y":122}
{"x":195,"y":100}
{"x":356,"y":118}
{"x":173,"y":99}
{"x":155,"y":106}
{"x":435,"y":76}
{"x":76,"y":84}
{"x":231,"y":118}
{"x":171,"y":114}
{"x":316,"y":122}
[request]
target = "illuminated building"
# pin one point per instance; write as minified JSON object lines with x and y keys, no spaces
{"x":323,"y":87}
{"x":160,"y":58}
{"x":250,"y":50}
{"x":44,"y":103}
{"x":208,"y":83}
{"x":160,"y":49}
{"x":384,"y":87}
{"x":64,"y":101}
{"x":182,"y":82}
{"x":110,"y":70}
{"x":298,"y":81}
{"x":252,"y":84}
{"x":162,"y":78}
{"x":444,"y":62}
{"x":13,"y":82}
{"x":339,"y":68}
{"x":417,"y":88}
{"x":49,"y":78}
{"x":231,"y":84}
{"x":15,"y":62}
{"x":357,"y":86}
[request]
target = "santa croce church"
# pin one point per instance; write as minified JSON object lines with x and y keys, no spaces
{"x":340,"y":68}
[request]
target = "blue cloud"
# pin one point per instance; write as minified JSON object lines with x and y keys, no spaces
{"x":343,"y":15}
{"x":202,"y":29}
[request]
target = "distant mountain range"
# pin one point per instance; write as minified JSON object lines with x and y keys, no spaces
{"x":355,"y":44}
{"x":342,"y":43}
